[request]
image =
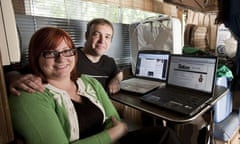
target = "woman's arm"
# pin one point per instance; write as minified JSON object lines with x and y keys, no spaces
{"x":35,"y":119}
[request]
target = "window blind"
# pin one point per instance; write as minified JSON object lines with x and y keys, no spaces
{"x":72,"y":16}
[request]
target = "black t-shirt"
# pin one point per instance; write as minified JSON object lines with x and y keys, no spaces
{"x":103,"y":71}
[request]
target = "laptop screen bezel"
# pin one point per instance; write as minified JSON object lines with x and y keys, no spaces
{"x":155,"y":52}
{"x":194,"y":56}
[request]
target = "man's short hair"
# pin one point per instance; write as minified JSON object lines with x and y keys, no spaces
{"x":98,"y":21}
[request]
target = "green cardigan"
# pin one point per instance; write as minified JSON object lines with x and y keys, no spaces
{"x":40,"y":119}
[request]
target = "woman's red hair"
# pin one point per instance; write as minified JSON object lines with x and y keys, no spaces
{"x":48,"y":38}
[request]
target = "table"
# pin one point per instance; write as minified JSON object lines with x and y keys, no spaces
{"x":132,"y":100}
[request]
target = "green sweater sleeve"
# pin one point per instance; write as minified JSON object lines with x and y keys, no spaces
{"x":34,"y":118}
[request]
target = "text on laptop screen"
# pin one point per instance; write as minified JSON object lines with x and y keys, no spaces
{"x":152,"y":65}
{"x":192,"y":72}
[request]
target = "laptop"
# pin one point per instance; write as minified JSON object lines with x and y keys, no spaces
{"x":150,"y":72}
{"x":189,"y":87}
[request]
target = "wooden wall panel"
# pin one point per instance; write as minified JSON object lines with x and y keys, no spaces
{"x":6,"y":131}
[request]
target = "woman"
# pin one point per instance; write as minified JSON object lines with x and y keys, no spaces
{"x":71,"y":109}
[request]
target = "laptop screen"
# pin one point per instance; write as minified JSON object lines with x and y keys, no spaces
{"x":196,"y":73}
{"x":152,"y":64}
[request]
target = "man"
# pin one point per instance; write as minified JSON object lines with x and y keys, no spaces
{"x":92,"y":61}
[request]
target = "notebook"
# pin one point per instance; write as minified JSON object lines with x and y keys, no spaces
{"x":150,"y":72}
{"x":189,"y":87}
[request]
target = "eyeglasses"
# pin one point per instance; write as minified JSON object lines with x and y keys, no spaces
{"x":56,"y":54}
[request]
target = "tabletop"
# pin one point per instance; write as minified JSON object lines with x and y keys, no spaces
{"x":133,"y":100}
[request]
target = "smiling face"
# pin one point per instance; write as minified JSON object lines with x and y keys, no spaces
{"x":52,"y":54}
{"x":99,"y":39}
{"x":60,"y":66}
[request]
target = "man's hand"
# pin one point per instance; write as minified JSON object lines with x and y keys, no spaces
{"x":114,"y":84}
{"x":28,"y":82}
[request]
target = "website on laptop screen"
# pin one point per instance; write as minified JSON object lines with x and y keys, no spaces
{"x":152,"y":66}
{"x":192,"y":72}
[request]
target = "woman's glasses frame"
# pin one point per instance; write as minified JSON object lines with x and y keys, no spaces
{"x":55,"y":54}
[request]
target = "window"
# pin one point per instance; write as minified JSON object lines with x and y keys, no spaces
{"x":72,"y":15}
{"x":84,"y":10}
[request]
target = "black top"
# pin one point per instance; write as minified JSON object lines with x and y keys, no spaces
{"x":103,"y":71}
{"x":90,"y":118}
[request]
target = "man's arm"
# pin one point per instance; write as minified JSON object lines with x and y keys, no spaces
{"x":27,"y":82}
{"x":114,"y":84}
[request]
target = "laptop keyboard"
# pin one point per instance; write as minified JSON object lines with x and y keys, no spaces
{"x":180,"y":96}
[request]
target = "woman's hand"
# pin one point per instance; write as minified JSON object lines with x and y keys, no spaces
{"x":118,"y":130}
